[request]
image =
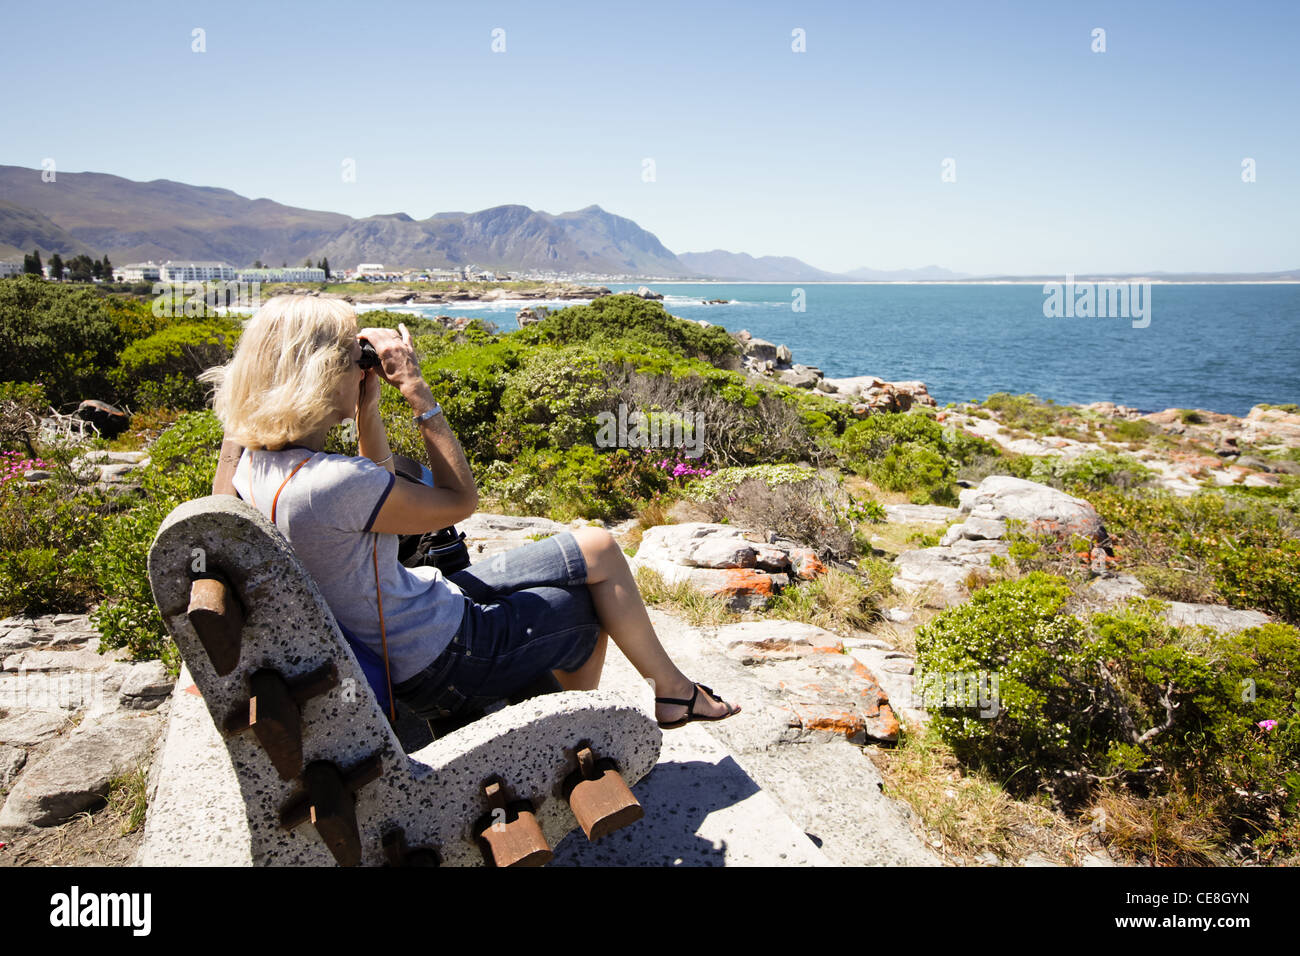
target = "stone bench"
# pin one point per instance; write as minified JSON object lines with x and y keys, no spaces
{"x":323,"y":775}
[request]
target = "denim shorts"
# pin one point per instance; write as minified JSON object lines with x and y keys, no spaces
{"x":527,"y":611}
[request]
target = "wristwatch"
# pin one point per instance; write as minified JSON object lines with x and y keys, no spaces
{"x":425,"y":416}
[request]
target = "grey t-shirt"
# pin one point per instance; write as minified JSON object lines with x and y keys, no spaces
{"x":326,"y":511}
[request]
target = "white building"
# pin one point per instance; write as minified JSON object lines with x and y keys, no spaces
{"x":138,"y":272}
{"x":300,"y":274}
{"x":369,"y":268}
{"x":10,"y":269}
{"x":195,"y":271}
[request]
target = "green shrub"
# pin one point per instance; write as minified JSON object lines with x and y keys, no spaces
{"x":925,"y":472}
{"x":629,"y":319}
{"x":553,"y":398}
{"x":182,"y":464}
{"x":162,"y":369}
{"x":1262,"y":570}
{"x":1032,"y":414}
{"x":1206,"y":547}
{"x":43,"y":525}
{"x":740,"y":424}
{"x":59,"y":335}
{"x":1087,"y":472}
{"x":1119,"y":696}
{"x":577,"y":482}
{"x":910,"y":451}
{"x":469,"y":382}
{"x":1129,"y":430}
{"x":725,"y":481}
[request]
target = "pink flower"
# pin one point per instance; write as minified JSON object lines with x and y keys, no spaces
{"x":1266,"y":725}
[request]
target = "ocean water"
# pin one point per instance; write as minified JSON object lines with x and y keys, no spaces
{"x":1218,"y":347}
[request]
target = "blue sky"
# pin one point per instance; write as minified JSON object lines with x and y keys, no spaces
{"x":1065,"y":159}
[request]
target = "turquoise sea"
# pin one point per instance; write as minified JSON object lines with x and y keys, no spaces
{"x":1219,"y":347}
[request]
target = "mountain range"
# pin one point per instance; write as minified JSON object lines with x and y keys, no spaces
{"x":98,"y":214}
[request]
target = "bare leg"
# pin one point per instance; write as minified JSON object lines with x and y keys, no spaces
{"x":623,"y":615}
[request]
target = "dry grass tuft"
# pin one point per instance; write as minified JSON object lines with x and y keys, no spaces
{"x":699,"y":610}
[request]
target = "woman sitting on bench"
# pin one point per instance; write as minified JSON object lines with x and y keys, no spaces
{"x":451,"y":642}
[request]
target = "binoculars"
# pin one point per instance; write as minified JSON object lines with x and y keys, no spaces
{"x":369,"y":357}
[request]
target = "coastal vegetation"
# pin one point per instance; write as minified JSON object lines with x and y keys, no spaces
{"x":1122,"y":703}
{"x":1083,"y":690}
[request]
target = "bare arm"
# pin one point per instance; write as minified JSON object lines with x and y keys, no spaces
{"x":372,"y":437}
{"x":223,"y":483}
{"x":412,"y":507}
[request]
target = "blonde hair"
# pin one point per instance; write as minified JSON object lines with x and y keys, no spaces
{"x":279,"y":387}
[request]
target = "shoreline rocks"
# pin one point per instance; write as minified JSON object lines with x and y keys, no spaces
{"x":405,"y":296}
{"x":866,"y":393}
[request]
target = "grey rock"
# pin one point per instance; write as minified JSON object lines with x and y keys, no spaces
{"x":1116,"y":588}
{"x":1097,"y":858}
{"x":76,"y":774}
{"x":69,"y":637}
{"x":717,"y":552}
{"x":1252,"y":461}
{"x":11,"y":762}
{"x":800,"y":379}
{"x":146,"y":686}
{"x":109,"y":472}
{"x":1213,"y":615}
{"x":759,"y":350}
{"x":868,"y":642}
{"x":127,"y":457}
{"x":974,"y":529}
{"x":1041,"y":507}
{"x":19,"y":638}
{"x":908,"y":514}
{"x":793,"y":632}
{"x":28,"y":728}
{"x":943,"y":572}
{"x":36,"y":474}
{"x":44,"y":662}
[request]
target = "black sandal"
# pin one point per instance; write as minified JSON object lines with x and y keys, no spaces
{"x":690,"y":708}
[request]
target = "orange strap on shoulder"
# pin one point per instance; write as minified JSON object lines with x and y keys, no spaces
{"x":274,"y":501}
{"x":383,"y":632}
